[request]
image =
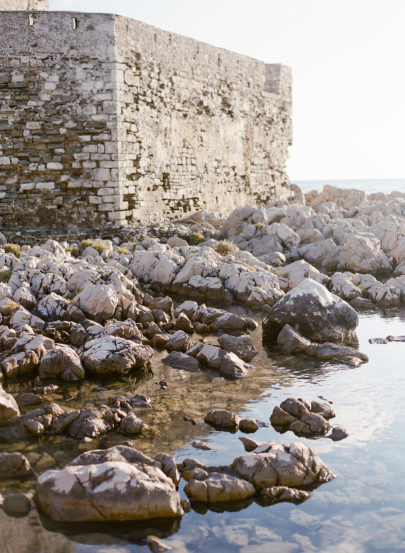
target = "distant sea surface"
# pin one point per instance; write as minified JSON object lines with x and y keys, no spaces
{"x":368,"y":185}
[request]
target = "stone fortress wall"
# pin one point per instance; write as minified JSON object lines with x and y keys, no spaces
{"x":104,"y":119}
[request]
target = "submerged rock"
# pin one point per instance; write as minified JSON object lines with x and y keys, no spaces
{"x":337,"y":353}
{"x":16,"y":505}
{"x":283,"y":493}
{"x":179,"y":360}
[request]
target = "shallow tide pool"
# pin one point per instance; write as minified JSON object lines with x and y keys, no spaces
{"x":361,"y":511}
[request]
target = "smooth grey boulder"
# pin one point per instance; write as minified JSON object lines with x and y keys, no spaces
{"x":241,"y":345}
{"x":248,"y":425}
{"x":314,"y":312}
{"x":16,"y":505}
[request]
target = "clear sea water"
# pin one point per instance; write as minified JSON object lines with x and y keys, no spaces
{"x":368,"y":185}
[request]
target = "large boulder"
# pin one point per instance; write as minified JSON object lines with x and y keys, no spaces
{"x":108,"y":491}
{"x":111,"y":354}
{"x":316,"y":313}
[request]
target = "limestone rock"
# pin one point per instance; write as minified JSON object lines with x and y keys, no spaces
{"x":362,"y":254}
{"x":291,"y":341}
{"x":109,"y":491}
{"x":222,"y":418}
{"x":99,"y":301}
{"x":233,"y":367}
{"x":179,"y":341}
{"x":293,"y":465}
{"x":110,"y":354}
{"x":14,"y":465}
{"x":316,"y":313}
{"x":61,"y":362}
{"x":219,"y":487}
{"x":8,"y":406}
{"x":133,"y":425}
{"x":241,"y":345}
{"x":179,"y":360}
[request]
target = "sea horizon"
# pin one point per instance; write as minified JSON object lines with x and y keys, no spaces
{"x":368,"y":185}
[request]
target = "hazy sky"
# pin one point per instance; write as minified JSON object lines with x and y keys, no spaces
{"x":348,"y":70}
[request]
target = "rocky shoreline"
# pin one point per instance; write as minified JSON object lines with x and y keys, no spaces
{"x":76,"y":312}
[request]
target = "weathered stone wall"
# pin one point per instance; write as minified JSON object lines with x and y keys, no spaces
{"x":58,"y":121}
{"x":105,"y":119}
{"x":15,"y":5}
{"x":200,"y":127}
